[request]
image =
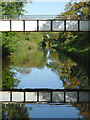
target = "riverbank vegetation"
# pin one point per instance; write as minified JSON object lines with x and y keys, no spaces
{"x":75,"y":43}
{"x":14,"y":41}
{"x":20,"y":49}
{"x":23,"y":50}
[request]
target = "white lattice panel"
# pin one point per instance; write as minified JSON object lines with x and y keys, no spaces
{"x":4,"y":96}
{"x":44,"y":25}
{"x":17,"y":25}
{"x":58,"y":25}
{"x":44,"y":96}
{"x":30,"y":96}
{"x":84,"y":25}
{"x":4,"y":25}
{"x":17,"y":96}
{"x":30,"y":25}
{"x":84,"y":96}
{"x":71,"y":25}
{"x":58,"y":97}
{"x":71,"y":96}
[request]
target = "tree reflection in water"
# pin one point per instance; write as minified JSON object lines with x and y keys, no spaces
{"x":15,"y":111}
{"x":84,"y":110}
{"x":71,"y":73}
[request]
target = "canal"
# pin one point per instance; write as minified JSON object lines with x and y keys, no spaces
{"x":44,"y":68}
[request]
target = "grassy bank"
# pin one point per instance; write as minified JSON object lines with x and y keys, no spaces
{"x":18,"y":41}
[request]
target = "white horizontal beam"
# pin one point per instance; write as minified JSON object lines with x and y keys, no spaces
{"x":44,"y":25}
{"x":45,"y":96}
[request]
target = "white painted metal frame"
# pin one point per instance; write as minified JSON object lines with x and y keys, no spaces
{"x":44,"y":25}
{"x":48,"y":96}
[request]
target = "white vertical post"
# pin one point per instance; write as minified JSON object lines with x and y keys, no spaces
{"x":20,"y":17}
{"x":4,"y":17}
{"x":52,"y":17}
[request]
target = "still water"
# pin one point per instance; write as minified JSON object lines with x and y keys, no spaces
{"x":45,"y":69}
{"x":39,"y":77}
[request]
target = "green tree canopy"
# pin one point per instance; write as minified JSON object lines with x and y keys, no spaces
{"x":77,"y":8}
{"x":13,"y":8}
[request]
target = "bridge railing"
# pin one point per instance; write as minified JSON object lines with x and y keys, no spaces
{"x":44,"y":17}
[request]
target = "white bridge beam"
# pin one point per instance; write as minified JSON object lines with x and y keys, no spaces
{"x":44,"y":25}
{"x":45,"y":95}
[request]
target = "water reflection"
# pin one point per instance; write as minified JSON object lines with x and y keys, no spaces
{"x":15,"y":111}
{"x":27,"y":111}
{"x":43,"y":69}
{"x":40,"y":76}
{"x":46,"y":69}
{"x":9,"y":79}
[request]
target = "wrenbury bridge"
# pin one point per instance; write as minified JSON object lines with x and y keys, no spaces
{"x":41,"y":24}
{"x":55,"y":96}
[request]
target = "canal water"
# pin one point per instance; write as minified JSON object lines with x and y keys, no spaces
{"x":39,"y":77}
{"x":45,"y":68}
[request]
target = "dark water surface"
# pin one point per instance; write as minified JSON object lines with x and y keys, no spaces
{"x":46,"y":69}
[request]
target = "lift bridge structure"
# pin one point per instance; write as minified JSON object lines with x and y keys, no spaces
{"x":44,"y":23}
{"x":44,"y":95}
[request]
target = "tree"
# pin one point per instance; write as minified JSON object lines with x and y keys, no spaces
{"x":8,"y":77}
{"x":15,"y":111}
{"x":76,"y":9}
{"x":13,"y":8}
{"x":71,"y":74}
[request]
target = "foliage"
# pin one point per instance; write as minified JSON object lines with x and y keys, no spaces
{"x":23,"y":47}
{"x":19,"y":46}
{"x":12,"y":41}
{"x":7,"y":43}
{"x":8,"y":77}
{"x":13,"y":8}
{"x":34,"y":58}
{"x":71,"y":74}
{"x":79,"y":10}
{"x":72,"y":42}
{"x":15,"y":111}
{"x":84,"y":110}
